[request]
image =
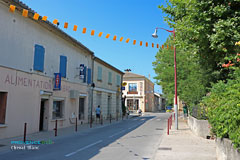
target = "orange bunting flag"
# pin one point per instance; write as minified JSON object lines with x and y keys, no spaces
{"x":114,"y":38}
{"x":66,"y":25}
{"x":75,"y":28}
{"x":134,"y":42}
{"x":100,"y":34}
{"x":92,"y":33}
{"x":127,"y":40}
{"x":146,"y":44}
{"x":152,"y":45}
{"x":55,"y":21}
{"x":12,"y":8}
{"x":162,"y":46}
{"x":121,"y":39}
{"x":140,"y":43}
{"x":157,"y":45}
{"x":171,"y":47}
{"x":84,"y":30}
{"x":167,"y":46}
{"x":44,"y":18}
{"x":107,"y":36}
{"x":36,"y":16}
{"x":25,"y":13}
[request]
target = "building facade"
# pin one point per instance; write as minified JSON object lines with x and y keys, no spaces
{"x":32,"y":52}
{"x":138,"y":93}
{"x":107,"y":92}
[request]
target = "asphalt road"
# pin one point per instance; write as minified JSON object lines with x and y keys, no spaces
{"x":136,"y":138}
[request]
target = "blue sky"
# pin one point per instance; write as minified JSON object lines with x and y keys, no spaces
{"x":134,"y":19}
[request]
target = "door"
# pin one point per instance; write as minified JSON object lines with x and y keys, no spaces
{"x":109,"y":106}
{"x":81,"y":109}
{"x":41,"y":116}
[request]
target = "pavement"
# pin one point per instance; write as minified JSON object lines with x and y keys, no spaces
{"x":182,"y":144}
{"x":140,"y":138}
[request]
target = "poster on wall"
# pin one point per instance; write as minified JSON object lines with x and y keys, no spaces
{"x":57,"y":81}
{"x":81,"y":74}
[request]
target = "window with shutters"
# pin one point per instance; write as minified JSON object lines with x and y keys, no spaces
{"x":57,"y":109}
{"x":63,"y":66}
{"x":118,"y":80}
{"x":89,"y":75}
{"x":3,"y":106}
{"x":39,"y":52}
{"x":110,"y":78}
{"x":99,"y":75}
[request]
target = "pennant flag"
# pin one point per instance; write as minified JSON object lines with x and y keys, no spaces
{"x":134,"y":42}
{"x":107,"y":36}
{"x":25,"y":13}
{"x":44,"y":18}
{"x":127,"y":40}
{"x":84,"y":30}
{"x":100,"y":34}
{"x":92,"y":33}
{"x":140,"y":43}
{"x":36,"y":16}
{"x":75,"y":28}
{"x":152,"y":45}
{"x":157,"y":45}
{"x":114,"y":38}
{"x":121,"y":39}
{"x":66,"y":25}
{"x":162,"y":46}
{"x":146,"y":44}
{"x":171,"y":47}
{"x":55,"y":21}
{"x":12,"y":8}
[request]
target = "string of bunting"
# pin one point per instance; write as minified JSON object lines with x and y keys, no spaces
{"x":36,"y":17}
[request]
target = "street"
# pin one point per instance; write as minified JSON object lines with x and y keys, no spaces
{"x":135,"y":138}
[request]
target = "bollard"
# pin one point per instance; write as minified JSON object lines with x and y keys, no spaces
{"x":170,"y":119}
{"x":25,"y":132}
{"x":110,"y":118}
{"x":122,"y":116}
{"x":91,"y":122}
{"x":168,"y":127}
{"x":101,"y":120}
{"x":76,"y":125}
{"x":117,"y":117}
{"x":55,"y":128}
{"x":174,"y":116}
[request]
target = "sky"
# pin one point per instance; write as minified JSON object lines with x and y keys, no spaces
{"x":134,"y":19}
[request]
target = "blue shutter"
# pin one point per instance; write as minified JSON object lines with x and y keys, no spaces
{"x":89,"y":80}
{"x":99,"y":73}
{"x":85,"y":74}
{"x":39,"y":58}
{"x":63,"y":66}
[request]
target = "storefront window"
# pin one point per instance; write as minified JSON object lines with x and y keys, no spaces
{"x":132,"y":87}
{"x":57,"y":109}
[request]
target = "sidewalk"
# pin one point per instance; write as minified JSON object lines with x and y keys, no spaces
{"x":5,"y":144}
{"x":182,"y":144}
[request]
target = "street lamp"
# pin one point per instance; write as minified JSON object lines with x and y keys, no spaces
{"x":154,"y":35}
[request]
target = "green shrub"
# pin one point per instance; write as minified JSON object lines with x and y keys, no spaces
{"x":223,"y":106}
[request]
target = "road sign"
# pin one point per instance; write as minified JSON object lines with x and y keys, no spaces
{"x":124,"y":84}
{"x":123,"y":88}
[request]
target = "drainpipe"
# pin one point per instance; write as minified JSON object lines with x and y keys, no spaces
{"x":92,"y":85}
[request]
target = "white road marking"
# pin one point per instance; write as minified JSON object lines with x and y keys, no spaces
{"x":81,"y":149}
{"x":116,"y":133}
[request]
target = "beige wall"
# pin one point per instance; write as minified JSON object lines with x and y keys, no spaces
{"x":23,"y":101}
{"x":107,"y":90}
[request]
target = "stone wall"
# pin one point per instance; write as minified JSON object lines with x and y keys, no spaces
{"x":199,"y":127}
{"x":225,"y":150}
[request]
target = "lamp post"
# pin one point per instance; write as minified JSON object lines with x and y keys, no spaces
{"x":175,"y":71}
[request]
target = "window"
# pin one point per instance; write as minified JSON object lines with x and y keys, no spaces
{"x":57,"y":109}
{"x":118,"y":80}
{"x":99,"y":76}
{"x":63,"y":66}
{"x":89,"y":75}
{"x":39,"y":58}
{"x":132,"y":87}
{"x":81,"y":109}
{"x":133,"y":104}
{"x":3,"y":105}
{"x":109,"y":77}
